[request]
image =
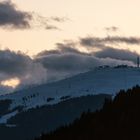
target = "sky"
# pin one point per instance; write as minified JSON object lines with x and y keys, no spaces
{"x":47,"y":40}
{"x":84,"y":17}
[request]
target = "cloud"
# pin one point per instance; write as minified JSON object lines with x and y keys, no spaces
{"x":64,"y":61}
{"x":19,"y":65}
{"x":92,"y":42}
{"x":103,"y":42}
{"x":68,"y":47}
{"x":76,"y":62}
{"x":49,"y":24}
{"x":51,"y":27}
{"x":12,"y":17}
{"x":59,"y":19}
{"x":119,"y":54}
{"x":67,"y":61}
{"x":13,"y":63}
{"x":112,"y":29}
{"x":127,"y":40}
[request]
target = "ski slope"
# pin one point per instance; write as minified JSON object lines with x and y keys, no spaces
{"x":97,"y":81}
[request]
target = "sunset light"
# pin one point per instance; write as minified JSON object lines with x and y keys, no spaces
{"x":11,"y":82}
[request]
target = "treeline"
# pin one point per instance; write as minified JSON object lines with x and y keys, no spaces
{"x":119,"y":119}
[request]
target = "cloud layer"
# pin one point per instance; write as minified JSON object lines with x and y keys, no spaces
{"x":56,"y":64}
{"x":119,"y":54}
{"x":64,"y":61}
{"x":102,"y":42}
{"x":18,"y":65}
{"x":67,"y":60}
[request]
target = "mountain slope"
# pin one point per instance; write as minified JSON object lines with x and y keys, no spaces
{"x":101,"y":80}
{"x":30,"y":123}
{"x":23,"y":106}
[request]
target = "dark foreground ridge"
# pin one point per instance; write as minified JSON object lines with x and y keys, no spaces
{"x":118,"y":120}
{"x":28,"y":124}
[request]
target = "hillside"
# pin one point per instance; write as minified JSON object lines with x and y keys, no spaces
{"x":100,"y":80}
{"x":25,"y":125}
{"x":46,"y":107}
{"x":119,"y":119}
{"x":104,"y":80}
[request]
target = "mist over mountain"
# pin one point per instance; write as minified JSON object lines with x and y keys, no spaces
{"x":54,"y":65}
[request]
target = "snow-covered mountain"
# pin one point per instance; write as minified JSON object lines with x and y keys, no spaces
{"x":100,"y":80}
{"x":48,"y":106}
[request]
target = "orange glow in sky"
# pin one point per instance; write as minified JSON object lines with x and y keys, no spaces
{"x":11,"y":82}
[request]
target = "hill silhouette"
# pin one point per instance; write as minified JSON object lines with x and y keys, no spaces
{"x":119,"y":119}
{"x":28,"y":124}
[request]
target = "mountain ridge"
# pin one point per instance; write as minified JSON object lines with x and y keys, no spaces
{"x":97,"y":81}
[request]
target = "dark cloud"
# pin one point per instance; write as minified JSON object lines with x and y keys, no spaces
{"x":92,"y":42}
{"x":67,"y":47}
{"x":127,"y":40}
{"x":119,"y":54}
{"x":62,"y":48}
{"x":65,"y":62}
{"x":19,"y":65}
{"x":69,"y":64}
{"x":102,"y":42}
{"x":47,"y":52}
{"x":13,"y":63}
{"x":12,"y":17}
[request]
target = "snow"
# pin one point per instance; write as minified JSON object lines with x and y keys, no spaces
{"x":3,"y":119}
{"x":101,"y":80}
